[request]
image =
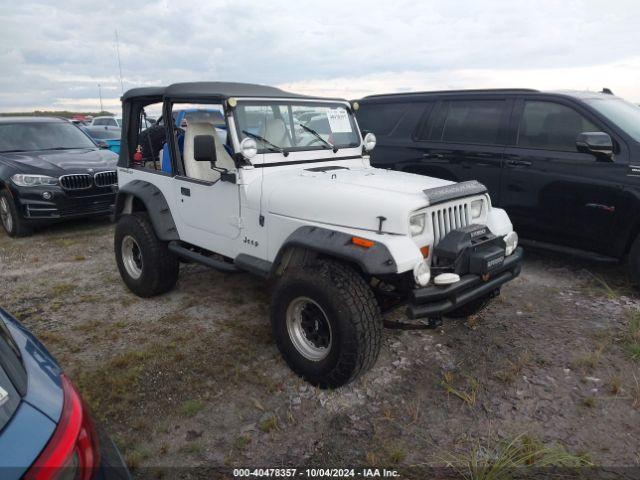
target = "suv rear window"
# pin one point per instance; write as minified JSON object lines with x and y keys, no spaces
{"x":381,"y":118}
{"x":470,"y":121}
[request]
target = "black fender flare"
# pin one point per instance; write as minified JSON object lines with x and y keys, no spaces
{"x":155,"y":204}
{"x":375,"y":260}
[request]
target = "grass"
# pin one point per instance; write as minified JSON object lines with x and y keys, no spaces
{"x":269,"y":424}
{"x":589,"y":361}
{"x":241,"y":442}
{"x":61,"y":289}
{"x":632,"y":337}
{"x":192,"y":448}
{"x":511,"y":459}
{"x":589,"y":402}
{"x":514,"y":368}
{"x":469,"y":395}
{"x":189,"y":408}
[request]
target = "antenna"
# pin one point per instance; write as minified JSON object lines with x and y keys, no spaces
{"x":100,"y":93}
{"x":119,"y":64}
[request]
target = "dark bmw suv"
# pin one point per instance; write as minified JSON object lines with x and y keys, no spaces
{"x":51,"y":170}
{"x":565,"y":165}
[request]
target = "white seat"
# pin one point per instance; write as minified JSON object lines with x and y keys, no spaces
{"x":203,"y":170}
{"x":276,"y":132}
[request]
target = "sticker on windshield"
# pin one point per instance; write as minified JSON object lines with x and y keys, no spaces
{"x":339,"y":120}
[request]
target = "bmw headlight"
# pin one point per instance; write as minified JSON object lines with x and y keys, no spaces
{"x":476,"y":209}
{"x":511,"y":241}
{"x":25,"y":180}
{"x":417,"y":223}
{"x":422,"y":273}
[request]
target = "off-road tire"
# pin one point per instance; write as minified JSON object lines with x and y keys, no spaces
{"x":473,"y":307}
{"x":351,"y":310}
{"x":634,"y":262}
{"x":160,"y":267}
{"x":17,"y":226}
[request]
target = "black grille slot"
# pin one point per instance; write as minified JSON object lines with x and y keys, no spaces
{"x":78,"y":181}
{"x":106,"y":179}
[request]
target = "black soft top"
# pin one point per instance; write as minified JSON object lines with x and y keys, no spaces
{"x":194,"y":91}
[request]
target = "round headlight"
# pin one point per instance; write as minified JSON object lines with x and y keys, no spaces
{"x":476,"y":208}
{"x":511,"y":241}
{"x":249,"y":148}
{"x":369,"y":141}
{"x":422,"y":273}
{"x":416,"y":224}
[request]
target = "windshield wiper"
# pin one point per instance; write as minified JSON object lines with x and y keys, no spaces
{"x":317,"y":135}
{"x":272,"y":147}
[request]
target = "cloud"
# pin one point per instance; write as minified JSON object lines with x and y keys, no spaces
{"x":54,"y":54}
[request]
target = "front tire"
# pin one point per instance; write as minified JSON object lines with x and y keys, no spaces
{"x":11,"y":221}
{"x":634,"y":262}
{"x":327,"y":323}
{"x":146,"y":264}
{"x":473,"y":307}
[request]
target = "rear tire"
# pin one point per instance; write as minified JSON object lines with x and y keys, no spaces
{"x":473,"y":307}
{"x":634,"y":262}
{"x":11,"y":221}
{"x":326,"y":322}
{"x":146,"y":264}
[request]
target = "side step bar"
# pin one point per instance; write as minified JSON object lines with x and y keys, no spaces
{"x":574,"y":252}
{"x":183,"y":252}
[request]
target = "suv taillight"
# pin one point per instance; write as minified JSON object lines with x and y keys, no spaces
{"x":72,"y":451}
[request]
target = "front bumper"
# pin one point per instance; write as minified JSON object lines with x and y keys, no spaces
{"x":434,"y":301}
{"x":33,"y":208}
{"x":112,"y":465}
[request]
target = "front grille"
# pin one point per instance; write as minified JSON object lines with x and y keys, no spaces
{"x":80,"y":181}
{"x":106,"y":179}
{"x":101,"y":206}
{"x":449,"y":217}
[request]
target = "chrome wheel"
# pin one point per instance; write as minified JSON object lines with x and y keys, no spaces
{"x":5,"y":214}
{"x":131,"y":257}
{"x":309,"y":329}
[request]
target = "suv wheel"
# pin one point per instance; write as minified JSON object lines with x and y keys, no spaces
{"x":634,"y":262}
{"x":145,"y":263}
{"x":473,"y":307}
{"x":327,"y":323}
{"x":11,"y":222}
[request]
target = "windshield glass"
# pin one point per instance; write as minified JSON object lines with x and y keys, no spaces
{"x":21,"y":137}
{"x":624,"y":114}
{"x":293,"y":126}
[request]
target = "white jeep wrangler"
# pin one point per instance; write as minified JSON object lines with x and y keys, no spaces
{"x":283,"y":188}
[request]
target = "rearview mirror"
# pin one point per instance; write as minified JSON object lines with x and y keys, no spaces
{"x":204,"y":149}
{"x":596,"y":143}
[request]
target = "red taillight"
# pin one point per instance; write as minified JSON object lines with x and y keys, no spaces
{"x":74,"y":444}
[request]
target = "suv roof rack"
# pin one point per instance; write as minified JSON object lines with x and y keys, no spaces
{"x":469,"y":91}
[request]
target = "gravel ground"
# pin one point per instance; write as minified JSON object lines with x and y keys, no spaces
{"x":194,"y":378}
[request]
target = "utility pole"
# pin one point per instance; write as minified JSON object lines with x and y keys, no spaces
{"x":100,"y":93}
{"x":119,"y":64}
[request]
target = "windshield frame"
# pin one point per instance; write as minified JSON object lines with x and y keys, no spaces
{"x":595,"y":104}
{"x":289,"y":102}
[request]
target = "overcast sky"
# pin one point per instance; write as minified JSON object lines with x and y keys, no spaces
{"x":54,"y":54}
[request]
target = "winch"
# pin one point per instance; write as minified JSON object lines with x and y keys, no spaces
{"x":471,"y":249}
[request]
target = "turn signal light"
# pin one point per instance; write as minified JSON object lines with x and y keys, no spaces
{"x":425,"y":251}
{"x":362,"y":242}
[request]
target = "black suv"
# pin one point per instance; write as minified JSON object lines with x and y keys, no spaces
{"x":51,"y":170}
{"x":565,"y":165}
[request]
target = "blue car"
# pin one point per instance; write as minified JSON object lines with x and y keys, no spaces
{"x":46,"y":431}
{"x":105,"y":137}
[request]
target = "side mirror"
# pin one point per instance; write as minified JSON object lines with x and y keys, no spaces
{"x":204,"y":149}
{"x":596,"y":143}
{"x":102,"y":145}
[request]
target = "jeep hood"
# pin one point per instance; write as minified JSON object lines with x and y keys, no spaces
{"x":352,"y":198}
